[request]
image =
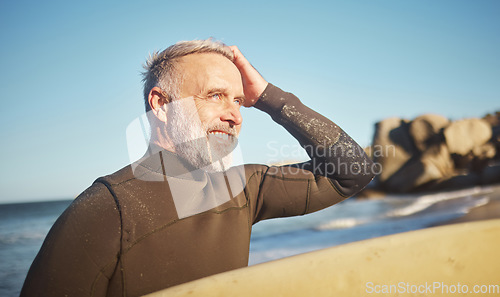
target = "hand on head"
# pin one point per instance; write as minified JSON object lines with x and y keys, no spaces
{"x":253,"y":83}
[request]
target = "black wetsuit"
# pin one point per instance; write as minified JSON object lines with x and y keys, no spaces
{"x":124,"y":235}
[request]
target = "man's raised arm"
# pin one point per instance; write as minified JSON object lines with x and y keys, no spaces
{"x":334,"y":154}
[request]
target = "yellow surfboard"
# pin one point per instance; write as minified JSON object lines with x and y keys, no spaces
{"x":441,"y":261}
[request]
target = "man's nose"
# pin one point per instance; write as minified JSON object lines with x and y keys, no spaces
{"x":232,"y":114}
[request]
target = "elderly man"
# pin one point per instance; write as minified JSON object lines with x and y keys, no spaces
{"x":182,"y":212}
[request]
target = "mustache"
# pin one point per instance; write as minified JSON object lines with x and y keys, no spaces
{"x":223,"y":128}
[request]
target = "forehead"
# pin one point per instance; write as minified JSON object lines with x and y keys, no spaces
{"x":208,"y":70}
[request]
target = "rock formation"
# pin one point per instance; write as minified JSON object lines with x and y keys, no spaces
{"x":432,"y":152}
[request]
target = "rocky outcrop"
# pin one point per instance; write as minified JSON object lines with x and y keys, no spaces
{"x":431,"y":151}
{"x":392,"y":146}
{"x":425,"y":130}
{"x":463,"y":136}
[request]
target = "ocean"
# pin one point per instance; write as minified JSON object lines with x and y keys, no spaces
{"x":23,"y":227}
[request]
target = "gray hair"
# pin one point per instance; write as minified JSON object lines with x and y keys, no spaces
{"x":160,"y":68}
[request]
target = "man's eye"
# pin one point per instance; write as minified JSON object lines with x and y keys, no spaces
{"x":238,"y":101}
{"x":216,"y":96}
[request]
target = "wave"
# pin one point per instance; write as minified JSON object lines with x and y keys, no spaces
{"x":426,"y":201}
{"x":413,"y":205}
{"x":342,"y":223}
{"x":15,"y":238}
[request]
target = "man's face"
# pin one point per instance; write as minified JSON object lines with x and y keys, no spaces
{"x":206,"y":127}
{"x":215,"y":83}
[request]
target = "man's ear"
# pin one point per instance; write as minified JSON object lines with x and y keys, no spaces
{"x":158,"y":101}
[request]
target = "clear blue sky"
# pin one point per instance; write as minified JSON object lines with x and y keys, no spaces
{"x":70,"y":73}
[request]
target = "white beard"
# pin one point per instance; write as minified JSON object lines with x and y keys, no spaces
{"x":192,"y":141}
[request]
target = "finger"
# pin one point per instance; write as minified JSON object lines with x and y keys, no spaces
{"x":239,"y":59}
{"x":235,"y":50}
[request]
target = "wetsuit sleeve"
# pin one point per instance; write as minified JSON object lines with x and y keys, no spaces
{"x":338,"y":167}
{"x":79,"y":254}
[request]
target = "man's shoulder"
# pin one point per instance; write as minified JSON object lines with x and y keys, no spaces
{"x":252,"y":170}
{"x":123,"y":175}
{"x":101,"y":191}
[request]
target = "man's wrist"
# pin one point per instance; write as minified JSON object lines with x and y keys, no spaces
{"x":273,"y":99}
